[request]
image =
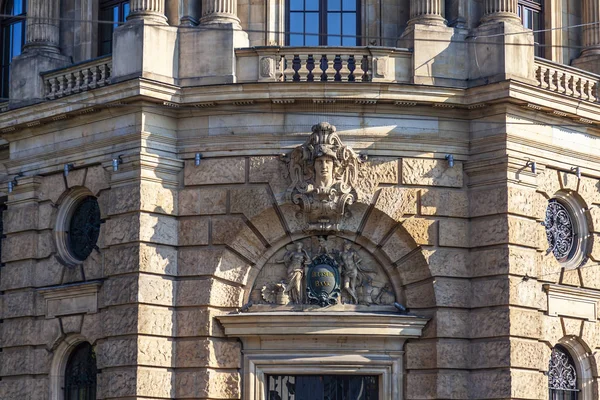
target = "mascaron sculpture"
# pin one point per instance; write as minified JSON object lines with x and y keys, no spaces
{"x":323,"y":172}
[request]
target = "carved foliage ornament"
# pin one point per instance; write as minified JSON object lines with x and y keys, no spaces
{"x":561,"y":371}
{"x":560,"y":230}
{"x":323,"y":172}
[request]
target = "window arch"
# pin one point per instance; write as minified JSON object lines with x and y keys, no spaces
{"x":80,"y":373}
{"x":12,"y":37}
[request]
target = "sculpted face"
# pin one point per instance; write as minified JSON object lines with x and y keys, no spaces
{"x":324,"y":171}
{"x":298,"y":246}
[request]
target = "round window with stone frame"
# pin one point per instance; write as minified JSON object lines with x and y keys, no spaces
{"x":567,"y":230}
{"x":77,"y":226}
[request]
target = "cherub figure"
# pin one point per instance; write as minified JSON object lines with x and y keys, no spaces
{"x":296,"y":262}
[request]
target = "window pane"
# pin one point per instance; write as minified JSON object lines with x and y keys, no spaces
{"x":349,"y":5}
{"x":312,"y":5}
{"x":334,"y":5}
{"x":296,"y":29}
{"x":18,"y":7}
{"x":115,"y":16}
{"x":349,"y":29}
{"x":311,"y":26}
{"x":125,"y":11}
{"x":17,"y":39}
{"x":334,"y":29}
{"x":296,"y":5}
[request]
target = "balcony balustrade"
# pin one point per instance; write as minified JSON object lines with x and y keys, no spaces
{"x":566,"y":80}
{"x":77,"y":78}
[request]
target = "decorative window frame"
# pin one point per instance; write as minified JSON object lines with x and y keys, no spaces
{"x":316,"y":336}
{"x":584,"y":366}
{"x":577,"y":212}
{"x":68,"y":205}
{"x":59,"y":365}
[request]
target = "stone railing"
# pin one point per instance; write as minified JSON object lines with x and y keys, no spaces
{"x":567,"y":80}
{"x":77,"y":78}
{"x":323,"y":64}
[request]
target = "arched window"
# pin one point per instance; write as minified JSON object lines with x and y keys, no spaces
{"x":323,"y":23}
{"x":562,"y":375}
{"x":115,"y":11}
{"x":12,"y":37}
{"x":80,"y":374}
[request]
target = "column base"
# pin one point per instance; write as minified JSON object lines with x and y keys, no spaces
{"x":500,"y":50}
{"x":589,"y":61}
{"x":149,"y":16}
{"x":428,"y":19}
{"x":500,"y":17}
{"x":28,"y":66}
{"x":221,"y":19}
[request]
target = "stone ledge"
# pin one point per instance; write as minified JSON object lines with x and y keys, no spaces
{"x":77,"y":298}
{"x":572,"y":302}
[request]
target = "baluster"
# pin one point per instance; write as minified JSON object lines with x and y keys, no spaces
{"x":329,"y":71}
{"x":53,"y":88}
{"x":539,"y":75}
{"x":69,"y":83}
{"x":102,"y":78}
{"x":86,"y":79}
{"x":303,"y":70}
{"x":586,"y":90}
{"x":577,"y":89}
{"x":594,"y":92}
{"x":288,"y":72}
{"x":570,"y":87}
{"x":108,"y":73}
{"x":77,"y":83}
{"x":359,"y":72}
{"x":562,"y":82}
{"x":552,"y":80}
{"x":344,"y":70}
{"x":61,"y":85}
{"x":94,"y":77}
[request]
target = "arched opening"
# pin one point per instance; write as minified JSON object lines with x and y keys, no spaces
{"x":80,"y":373}
{"x":571,"y":371}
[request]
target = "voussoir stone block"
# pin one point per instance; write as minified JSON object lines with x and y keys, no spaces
{"x":427,"y":172}
{"x":548,"y":182}
{"x":399,"y":244}
{"x":203,"y":201}
{"x":233,"y":231}
{"x":76,"y":178}
{"x":397,"y":202}
{"x":219,"y":262}
{"x":215,"y":171}
{"x":97,"y":179}
{"x":71,"y":323}
{"x":208,"y":353}
{"x":444,"y":202}
{"x":52,"y":187}
{"x":374,"y":172}
{"x":271,"y":170}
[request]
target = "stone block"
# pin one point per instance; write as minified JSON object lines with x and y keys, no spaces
{"x":155,"y":351}
{"x":124,"y":199}
{"x":208,"y":353}
{"x":349,"y":224}
{"x":571,"y":326}
{"x":528,"y":384}
{"x":427,"y":172}
{"x":437,"y":385}
{"x":490,"y":384}
{"x":91,"y":327}
{"x":493,"y":291}
{"x":489,"y":231}
{"x":96,"y":179}
{"x":141,"y":257}
{"x":215,"y":171}
{"x":117,"y":382}
{"x":397,"y":202}
{"x":256,"y":204}
{"x":208,"y":292}
{"x":420,"y":295}
{"x":122,"y":229}
{"x":155,"y":320}
{"x":20,"y":246}
{"x":374,"y":172}
{"x":422,"y":231}
{"x":203,"y":201}
{"x":488,"y":201}
{"x":490,"y":322}
{"x":218,"y":262}
{"x":452,"y":292}
{"x":208,"y":383}
{"x":117,"y":352}
{"x":273,"y":171}
{"x":196,"y":321}
{"x":46,"y":215}
{"x":399,"y":244}
{"x":453,"y":323}
{"x":156,"y":198}
{"x":76,"y":178}
{"x":444,"y":202}
{"x":24,"y":387}
{"x":526,"y":202}
{"x":52,"y":187}
{"x":453,"y":232}
{"x":118,"y":321}
{"x":504,"y":260}
{"x":71,"y":324}
{"x":121,"y":289}
{"x":17,"y":275}
{"x":551,"y":329}
{"x":526,"y":232}
{"x":155,"y":383}
{"x":193,"y":231}
{"x":377,"y":227}
{"x":157,"y":290}
{"x":525,"y":323}
{"x":21,"y":218}
{"x":440,"y":353}
{"x":19,"y":304}
{"x":93,"y":266}
{"x":589,"y":190}
{"x":548,"y":182}
{"x":25,"y":361}
{"x":234,"y":232}
{"x":159,"y":229}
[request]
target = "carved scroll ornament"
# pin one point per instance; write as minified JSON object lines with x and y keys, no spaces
{"x":323,"y":172}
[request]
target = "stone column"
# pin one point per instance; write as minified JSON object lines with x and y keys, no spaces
{"x":429,"y":12}
{"x":591,"y":33}
{"x":148,"y":10}
{"x":43,"y":26}
{"x":501,"y":10}
{"x":219,"y":11}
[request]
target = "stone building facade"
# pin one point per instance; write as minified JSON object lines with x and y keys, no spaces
{"x":233,"y":204}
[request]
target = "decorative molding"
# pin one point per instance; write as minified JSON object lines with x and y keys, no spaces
{"x":572,"y":302}
{"x":76,"y":298}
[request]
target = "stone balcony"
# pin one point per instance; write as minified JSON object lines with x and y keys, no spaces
{"x":77,"y":78}
{"x":324,"y":64}
{"x":567,"y":80}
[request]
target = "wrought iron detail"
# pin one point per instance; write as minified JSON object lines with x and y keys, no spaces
{"x":560,"y":230}
{"x":84,"y":228}
{"x":561,"y":371}
{"x":80,"y":374}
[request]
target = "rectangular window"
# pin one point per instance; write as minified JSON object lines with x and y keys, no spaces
{"x":322,"y":387}
{"x":531,"y":13}
{"x":323,"y":23}
{"x":115,"y":12}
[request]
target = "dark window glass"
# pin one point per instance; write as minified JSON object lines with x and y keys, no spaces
{"x":324,"y":23}
{"x":562,"y":375}
{"x":12,"y":37}
{"x":116,"y":12}
{"x":322,"y":387}
{"x":531,"y":15}
{"x":84,"y":228}
{"x":80,"y":375}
